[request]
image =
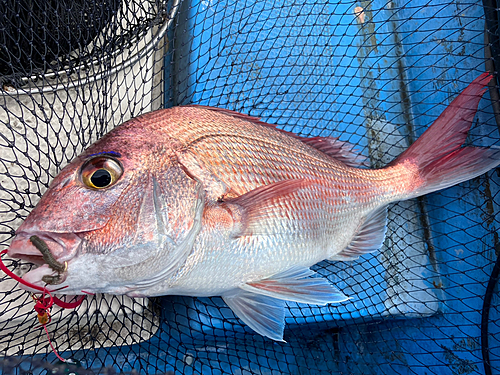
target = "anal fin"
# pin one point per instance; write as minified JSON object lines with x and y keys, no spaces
{"x":368,"y":238}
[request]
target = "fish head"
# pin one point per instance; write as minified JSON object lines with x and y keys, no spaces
{"x":111,"y":216}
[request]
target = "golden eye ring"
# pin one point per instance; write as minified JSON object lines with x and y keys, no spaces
{"x":101,"y":172}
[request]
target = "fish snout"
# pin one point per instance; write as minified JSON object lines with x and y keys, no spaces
{"x":49,"y":251}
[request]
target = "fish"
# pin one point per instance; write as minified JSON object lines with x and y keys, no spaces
{"x":203,"y":201}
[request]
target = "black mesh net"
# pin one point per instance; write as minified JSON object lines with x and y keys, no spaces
{"x":373,"y":73}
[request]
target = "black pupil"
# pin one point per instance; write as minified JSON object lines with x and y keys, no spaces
{"x":101,"y":178}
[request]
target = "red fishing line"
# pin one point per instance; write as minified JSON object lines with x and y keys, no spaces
{"x":50,"y":343}
{"x":42,"y":307}
{"x":68,"y":305}
{"x":57,"y":301}
{"x":14,"y":276}
{"x":43,"y":303}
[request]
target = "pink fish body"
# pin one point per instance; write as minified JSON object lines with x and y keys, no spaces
{"x":207,"y":202}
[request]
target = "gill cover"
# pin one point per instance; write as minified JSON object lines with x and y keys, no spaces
{"x":152,"y":230}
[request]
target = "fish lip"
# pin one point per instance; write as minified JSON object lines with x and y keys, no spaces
{"x":62,"y":246}
{"x":21,"y":247}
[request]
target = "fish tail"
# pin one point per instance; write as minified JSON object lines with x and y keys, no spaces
{"x":439,"y":155}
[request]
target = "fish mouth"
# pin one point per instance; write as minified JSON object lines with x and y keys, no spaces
{"x":51,"y":268}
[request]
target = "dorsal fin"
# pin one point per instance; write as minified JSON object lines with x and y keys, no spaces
{"x":331,"y":146}
{"x":241,"y":116}
{"x":337,"y":149}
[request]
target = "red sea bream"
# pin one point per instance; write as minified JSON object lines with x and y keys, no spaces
{"x":202,"y":201}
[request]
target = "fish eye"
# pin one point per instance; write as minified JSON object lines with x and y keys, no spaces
{"x":101,"y":172}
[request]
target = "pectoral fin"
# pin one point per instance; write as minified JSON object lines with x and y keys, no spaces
{"x":268,"y":203}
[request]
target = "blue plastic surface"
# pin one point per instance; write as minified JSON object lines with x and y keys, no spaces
{"x":244,"y":56}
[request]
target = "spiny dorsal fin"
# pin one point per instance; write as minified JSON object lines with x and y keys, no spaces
{"x":331,"y":146}
{"x":241,"y":116}
{"x":369,"y":237}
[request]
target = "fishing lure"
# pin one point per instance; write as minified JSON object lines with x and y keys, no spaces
{"x":50,"y":260}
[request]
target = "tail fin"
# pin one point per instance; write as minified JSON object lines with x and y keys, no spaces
{"x":438,"y":153}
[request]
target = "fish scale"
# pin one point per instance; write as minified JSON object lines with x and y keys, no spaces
{"x":209,"y":202}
